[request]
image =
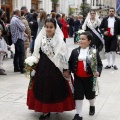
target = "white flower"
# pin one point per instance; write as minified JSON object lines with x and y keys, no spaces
{"x":119,"y":37}
{"x":31,"y":60}
{"x":94,"y":51}
{"x":90,"y":56}
{"x":81,"y":31}
{"x":33,"y":73}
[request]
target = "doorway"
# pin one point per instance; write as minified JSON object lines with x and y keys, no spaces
{"x":6,"y":5}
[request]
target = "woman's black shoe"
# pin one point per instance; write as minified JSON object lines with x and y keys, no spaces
{"x":92,"y":110}
{"x":44,"y":116}
{"x":77,"y":117}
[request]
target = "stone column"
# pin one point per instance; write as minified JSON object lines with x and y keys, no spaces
{"x":0,"y":3}
{"x":91,"y":2}
{"x":62,"y":6}
{"x":14,"y":4}
{"x":102,"y":2}
{"x":95,"y":3}
{"x":28,"y":4}
{"x":47,"y":6}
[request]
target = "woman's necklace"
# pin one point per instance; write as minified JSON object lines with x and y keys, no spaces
{"x":92,"y":20}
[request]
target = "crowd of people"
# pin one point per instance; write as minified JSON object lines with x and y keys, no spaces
{"x":45,"y":35}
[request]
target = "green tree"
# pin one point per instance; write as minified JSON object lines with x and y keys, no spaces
{"x":54,"y":2}
{"x":71,"y":10}
{"x":85,"y":8}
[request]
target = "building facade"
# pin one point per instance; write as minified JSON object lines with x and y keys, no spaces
{"x":64,"y":6}
{"x":100,"y":6}
{"x":9,"y":5}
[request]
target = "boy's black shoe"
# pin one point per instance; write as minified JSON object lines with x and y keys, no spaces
{"x":115,"y":67}
{"x":107,"y":67}
{"x":43,"y":116}
{"x":92,"y":110}
{"x":77,"y":117}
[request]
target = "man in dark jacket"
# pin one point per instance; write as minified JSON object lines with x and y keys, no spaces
{"x":71,"y":23}
{"x":27,"y":15}
{"x":58,"y":17}
{"x":2,"y":25}
{"x":110,"y":27}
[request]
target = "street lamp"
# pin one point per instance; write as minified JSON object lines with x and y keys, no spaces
{"x":83,"y":7}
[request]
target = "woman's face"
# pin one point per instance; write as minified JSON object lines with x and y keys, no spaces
{"x":84,"y":42}
{"x":92,"y":14}
{"x":50,"y":29}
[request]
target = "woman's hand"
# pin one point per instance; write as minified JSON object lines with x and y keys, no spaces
{"x":106,"y":33}
{"x":96,"y":74}
{"x":66,"y":74}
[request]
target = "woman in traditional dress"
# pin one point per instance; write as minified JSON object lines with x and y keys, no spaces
{"x":92,"y":23}
{"x":50,"y":91}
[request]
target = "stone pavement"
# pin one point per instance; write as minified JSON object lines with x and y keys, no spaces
{"x":13,"y":91}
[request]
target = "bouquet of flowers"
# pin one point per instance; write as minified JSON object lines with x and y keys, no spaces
{"x":30,"y":65}
{"x":78,"y":34}
{"x":93,"y":64}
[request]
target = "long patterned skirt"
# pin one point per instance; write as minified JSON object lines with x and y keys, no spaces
{"x":50,"y":92}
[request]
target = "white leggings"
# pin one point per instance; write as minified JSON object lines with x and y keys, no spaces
{"x":1,"y":60}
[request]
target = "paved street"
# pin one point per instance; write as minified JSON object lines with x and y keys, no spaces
{"x":13,"y":92}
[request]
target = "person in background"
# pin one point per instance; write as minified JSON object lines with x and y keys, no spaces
{"x":41,"y":20}
{"x":27,"y":15}
{"x":71,"y":24}
{"x":4,"y":18}
{"x":110,"y":27}
{"x":53,"y":14}
{"x":27,"y":33}
{"x":17,"y":29}
{"x":58,"y":17}
{"x":32,"y":11}
{"x":81,"y":21}
{"x":92,"y":24}
{"x":34,"y":29}
{"x":76,"y":27}
{"x":2,"y":25}
{"x":65,"y":27}
{"x":3,"y":50}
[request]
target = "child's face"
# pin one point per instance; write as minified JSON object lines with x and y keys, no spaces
{"x":84,"y":42}
{"x":50,"y":29}
{"x":0,"y":33}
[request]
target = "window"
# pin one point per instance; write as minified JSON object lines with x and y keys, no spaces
{"x":5,"y":2}
{"x":97,"y":2}
{"x":34,"y":4}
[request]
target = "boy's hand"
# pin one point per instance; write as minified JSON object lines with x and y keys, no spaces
{"x":66,"y":74}
{"x":96,"y":74}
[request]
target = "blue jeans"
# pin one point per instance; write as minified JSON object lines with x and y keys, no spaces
{"x":32,"y":45}
{"x":19,"y":54}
